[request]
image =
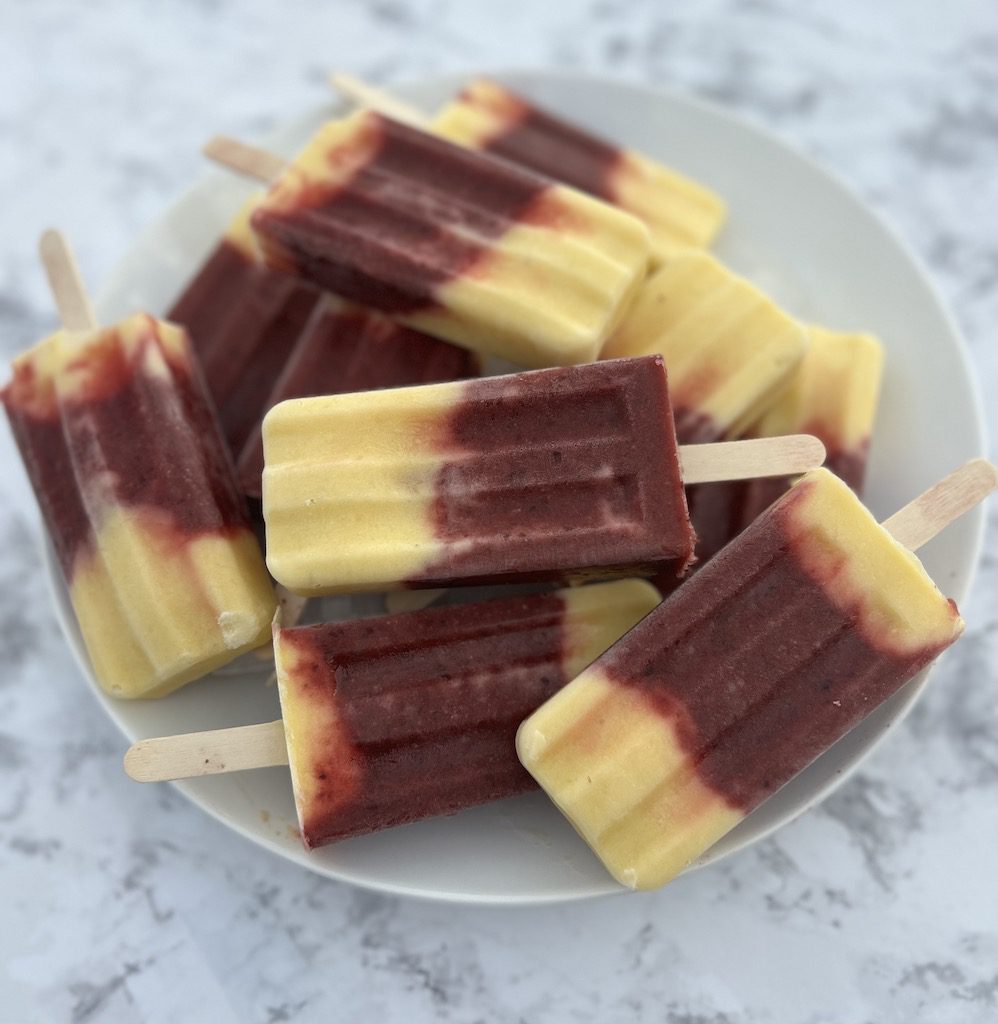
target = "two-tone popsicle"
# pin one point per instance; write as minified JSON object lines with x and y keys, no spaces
{"x":833,"y":395}
{"x":466,"y":247}
{"x":138,"y":494}
{"x":394,"y":719}
{"x":561,"y":474}
{"x":679,"y":212}
{"x":797,"y":630}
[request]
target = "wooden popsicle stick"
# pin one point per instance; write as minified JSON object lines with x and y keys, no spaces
{"x":193,"y":754}
{"x":71,"y":299}
{"x":378,"y":100}
{"x":932,"y":511}
{"x":244,"y":159}
{"x":747,"y":460}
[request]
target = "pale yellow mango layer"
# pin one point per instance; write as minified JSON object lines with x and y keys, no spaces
{"x":546,"y":295}
{"x":863,"y":569}
{"x":615,"y":768}
{"x":348,"y":486}
{"x":598,"y":615}
{"x":728,"y":348}
{"x":154,"y":617}
{"x":678,"y":212}
{"x":240,"y":235}
{"x":833,"y":393}
{"x":550,"y":290}
{"x":313,"y":731}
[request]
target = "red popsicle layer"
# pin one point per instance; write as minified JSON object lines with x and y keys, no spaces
{"x":396,"y":719}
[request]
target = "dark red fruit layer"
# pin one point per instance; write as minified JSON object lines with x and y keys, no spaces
{"x":244,"y":320}
{"x":570,"y":472}
{"x":430,"y":703}
{"x":755,"y":665}
{"x":557,"y":150}
{"x":420,"y":213}
{"x":130,"y":438}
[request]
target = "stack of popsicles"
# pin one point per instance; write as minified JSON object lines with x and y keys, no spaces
{"x":340,"y":326}
{"x":263,"y":336}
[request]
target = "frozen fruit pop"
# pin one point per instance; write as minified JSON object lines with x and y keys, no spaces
{"x":411,"y":716}
{"x":244,"y":319}
{"x":399,"y":718}
{"x":729,"y":349}
{"x":678,"y":212}
{"x":463,"y":246}
{"x":569,"y":473}
{"x":832,"y":395}
{"x":137,"y":492}
{"x":345,"y":348}
{"x":782,"y":643}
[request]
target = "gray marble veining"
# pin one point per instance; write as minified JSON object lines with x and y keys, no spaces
{"x":124,"y":903}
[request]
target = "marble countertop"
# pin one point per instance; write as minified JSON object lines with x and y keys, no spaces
{"x":124,"y":903}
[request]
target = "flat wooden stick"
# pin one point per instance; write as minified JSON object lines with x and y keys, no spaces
{"x":71,"y":298}
{"x":244,"y":159}
{"x":378,"y":100}
{"x":746,"y":460}
{"x":931,"y":512}
{"x":193,"y":754}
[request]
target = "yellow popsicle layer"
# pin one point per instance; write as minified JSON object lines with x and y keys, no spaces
{"x":833,"y":393}
{"x":729,"y":349}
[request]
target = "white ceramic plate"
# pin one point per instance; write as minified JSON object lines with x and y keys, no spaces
{"x":799,"y":234}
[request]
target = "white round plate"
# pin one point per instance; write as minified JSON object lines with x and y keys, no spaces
{"x":799,"y":234}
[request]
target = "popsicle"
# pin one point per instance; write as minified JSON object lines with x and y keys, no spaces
{"x":138,"y":494}
{"x":782,"y":643}
{"x":344,"y":348}
{"x":832,"y":395}
{"x":679,"y":212}
{"x":568,"y":473}
{"x":403,"y":717}
{"x":244,"y":320}
{"x":730,"y":350}
{"x":461,"y":245}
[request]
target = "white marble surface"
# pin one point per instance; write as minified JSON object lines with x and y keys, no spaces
{"x":123,"y":903}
